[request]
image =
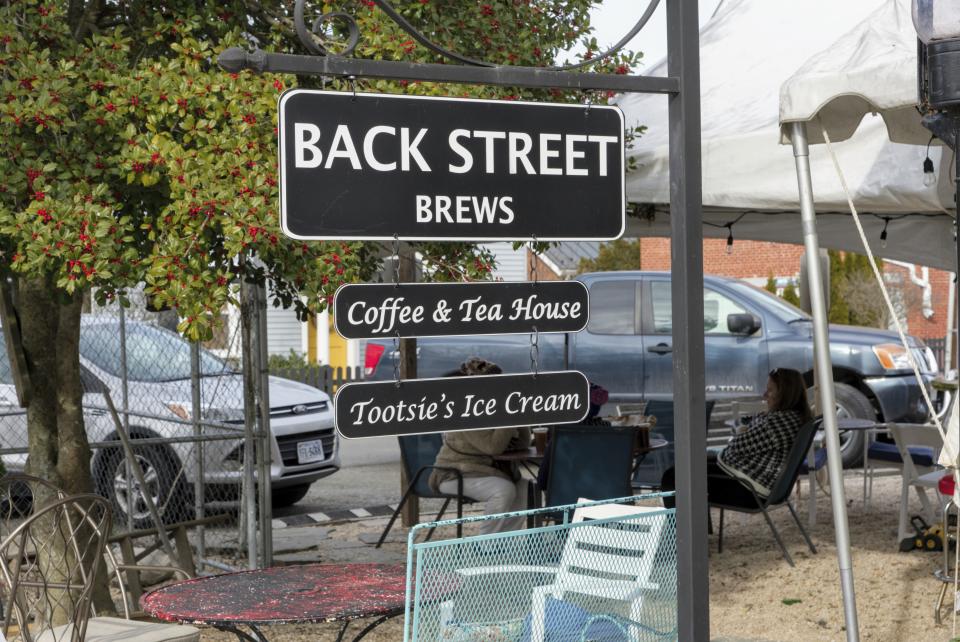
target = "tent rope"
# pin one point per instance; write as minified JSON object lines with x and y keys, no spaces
{"x":903,"y":339}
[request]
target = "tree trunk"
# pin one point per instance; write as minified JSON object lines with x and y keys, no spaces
{"x":58,"y":450}
{"x":73,"y":465}
{"x":39,"y":323}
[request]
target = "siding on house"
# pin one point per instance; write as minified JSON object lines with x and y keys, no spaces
{"x":284,"y":332}
{"x":511,"y":264}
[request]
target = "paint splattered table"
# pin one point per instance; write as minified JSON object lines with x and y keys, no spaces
{"x":301,"y":594}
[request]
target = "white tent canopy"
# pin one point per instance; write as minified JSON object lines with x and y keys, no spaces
{"x":872,"y":69}
{"x":749,"y":181}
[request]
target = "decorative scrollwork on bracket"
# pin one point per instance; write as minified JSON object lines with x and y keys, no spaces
{"x":307,"y":37}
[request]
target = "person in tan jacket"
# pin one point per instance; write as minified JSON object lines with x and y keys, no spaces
{"x":497,"y":484}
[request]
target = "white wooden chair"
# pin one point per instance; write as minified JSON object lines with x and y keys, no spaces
{"x":627,"y":554}
{"x":920,"y":478}
{"x":611,"y":565}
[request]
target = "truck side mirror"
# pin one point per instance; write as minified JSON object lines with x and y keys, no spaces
{"x":743,"y":324}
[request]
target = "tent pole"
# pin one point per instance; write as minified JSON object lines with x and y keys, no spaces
{"x":951,"y":318}
{"x":824,"y":372}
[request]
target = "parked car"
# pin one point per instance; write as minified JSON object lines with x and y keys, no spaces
{"x":748,"y":331}
{"x":304,"y":443}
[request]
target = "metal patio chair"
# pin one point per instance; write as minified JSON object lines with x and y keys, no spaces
{"x":418,"y":455}
{"x":745,"y":500}
{"x":650,"y":472}
{"x":52,"y":552}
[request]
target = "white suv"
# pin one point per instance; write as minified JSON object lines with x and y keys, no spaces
{"x":304,"y":443}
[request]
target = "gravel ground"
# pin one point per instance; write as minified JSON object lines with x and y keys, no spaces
{"x":755,"y":594}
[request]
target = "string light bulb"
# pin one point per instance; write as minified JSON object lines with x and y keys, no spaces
{"x":883,"y":234}
{"x":929,"y":175}
{"x":729,"y":239}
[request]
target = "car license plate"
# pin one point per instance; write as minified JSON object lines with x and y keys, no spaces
{"x":310,"y":451}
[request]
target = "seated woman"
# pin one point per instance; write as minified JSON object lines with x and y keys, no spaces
{"x":497,"y":484}
{"x":755,"y":457}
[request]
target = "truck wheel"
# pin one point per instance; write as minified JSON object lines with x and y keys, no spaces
{"x":851,"y":403}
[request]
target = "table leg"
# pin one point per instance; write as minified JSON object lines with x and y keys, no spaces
{"x":257,"y":636}
{"x":366,"y":629}
{"x":866,"y":470}
{"x":812,"y":481}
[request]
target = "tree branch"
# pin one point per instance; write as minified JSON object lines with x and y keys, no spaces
{"x":88,"y":22}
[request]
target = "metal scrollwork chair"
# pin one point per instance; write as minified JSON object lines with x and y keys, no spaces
{"x":49,"y":564}
{"x":52,"y":553}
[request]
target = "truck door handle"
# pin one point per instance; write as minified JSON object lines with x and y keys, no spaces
{"x":661,"y":348}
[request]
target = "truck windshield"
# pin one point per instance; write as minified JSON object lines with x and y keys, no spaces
{"x":788,"y":311}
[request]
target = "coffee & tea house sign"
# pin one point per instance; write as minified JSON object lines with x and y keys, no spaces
{"x":380,"y":167}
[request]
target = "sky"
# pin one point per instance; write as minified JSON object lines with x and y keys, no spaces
{"x":612,"y":19}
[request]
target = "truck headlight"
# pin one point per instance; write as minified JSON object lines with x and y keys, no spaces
{"x":892,"y":356}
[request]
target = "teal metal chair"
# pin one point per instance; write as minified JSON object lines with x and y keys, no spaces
{"x":589,"y":461}
{"x":650,"y":472}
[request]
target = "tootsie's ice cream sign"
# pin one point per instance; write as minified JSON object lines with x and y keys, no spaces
{"x":376,"y":166}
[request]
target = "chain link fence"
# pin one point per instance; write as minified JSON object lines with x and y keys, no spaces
{"x":183,"y":408}
{"x":191,"y":462}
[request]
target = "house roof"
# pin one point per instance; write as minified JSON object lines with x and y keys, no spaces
{"x":566,"y":256}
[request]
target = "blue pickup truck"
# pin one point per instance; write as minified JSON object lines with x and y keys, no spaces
{"x":626,"y":348}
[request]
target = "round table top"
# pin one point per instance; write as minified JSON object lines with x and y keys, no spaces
{"x":855,"y":423}
{"x":523,"y":454}
{"x":307,"y":593}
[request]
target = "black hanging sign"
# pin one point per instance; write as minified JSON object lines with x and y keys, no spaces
{"x":365,"y":311}
{"x":379,"y":166}
{"x":416,"y":406}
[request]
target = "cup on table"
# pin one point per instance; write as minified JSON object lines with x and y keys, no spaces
{"x":743,"y":424}
{"x":643,"y":437}
{"x":540,"y":440}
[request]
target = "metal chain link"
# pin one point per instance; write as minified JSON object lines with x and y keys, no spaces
{"x":396,"y":284}
{"x":396,"y":359}
{"x":535,"y":336}
{"x":535,"y":351}
{"x":536,"y":259}
{"x":396,"y":261}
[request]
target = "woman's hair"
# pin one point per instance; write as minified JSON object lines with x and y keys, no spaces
{"x":479,"y":366}
{"x":791,"y":392}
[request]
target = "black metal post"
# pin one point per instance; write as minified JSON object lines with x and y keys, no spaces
{"x":686,"y":266}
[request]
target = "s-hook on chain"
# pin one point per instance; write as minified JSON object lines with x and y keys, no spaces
{"x":396,"y":284}
{"x":534,"y":336}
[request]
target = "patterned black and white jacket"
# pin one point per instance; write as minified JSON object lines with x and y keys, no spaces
{"x":756,"y":456}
